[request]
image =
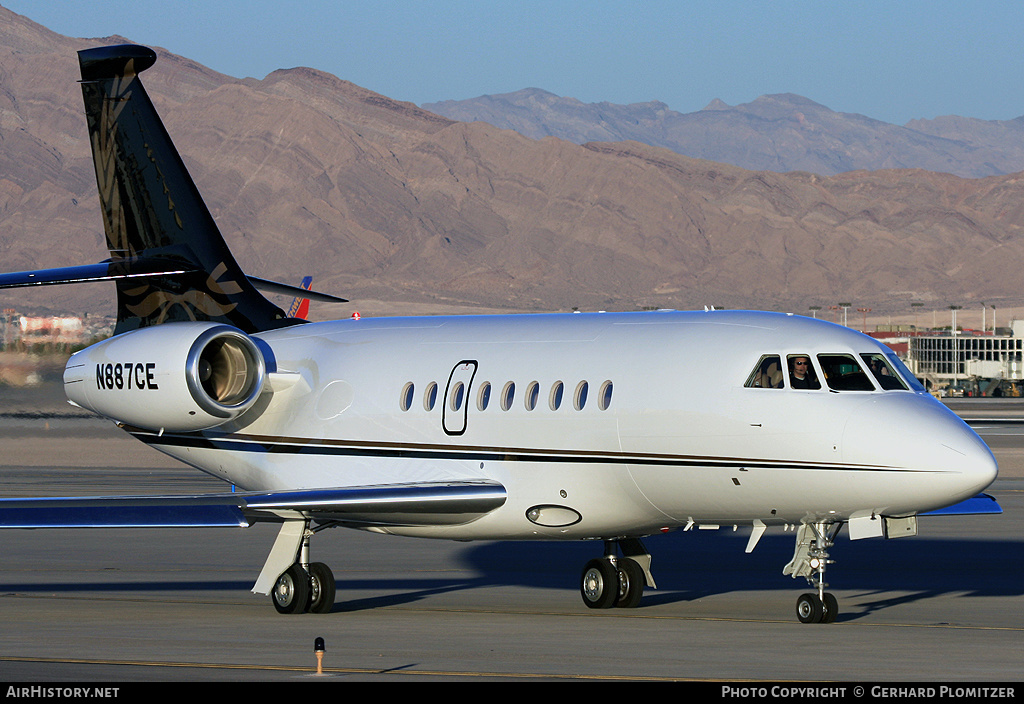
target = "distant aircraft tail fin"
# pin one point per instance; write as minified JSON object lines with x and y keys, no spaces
{"x":300,"y":305}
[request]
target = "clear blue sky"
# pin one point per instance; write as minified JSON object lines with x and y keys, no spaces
{"x":893,"y":60}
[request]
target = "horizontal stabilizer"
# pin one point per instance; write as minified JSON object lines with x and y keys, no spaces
{"x":449,"y":503}
{"x":980,"y":504}
{"x":274,"y":287}
{"x":110,"y":270}
{"x":140,"y":267}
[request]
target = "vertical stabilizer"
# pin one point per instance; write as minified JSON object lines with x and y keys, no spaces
{"x":300,"y":306}
{"x":152,"y":209}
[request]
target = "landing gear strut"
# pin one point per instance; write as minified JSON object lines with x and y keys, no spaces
{"x":810,"y":558}
{"x":616,"y":581}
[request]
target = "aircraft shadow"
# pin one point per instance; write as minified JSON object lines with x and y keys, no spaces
{"x":125,"y":586}
{"x":687,"y":567}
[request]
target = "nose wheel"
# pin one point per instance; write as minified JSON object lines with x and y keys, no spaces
{"x":810,"y":558}
{"x":811,"y":608}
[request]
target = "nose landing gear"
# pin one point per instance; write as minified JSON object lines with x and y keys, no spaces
{"x":810,"y":558}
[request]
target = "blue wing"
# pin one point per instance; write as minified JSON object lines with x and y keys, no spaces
{"x":980,"y":504}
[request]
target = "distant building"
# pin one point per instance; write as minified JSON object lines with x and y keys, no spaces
{"x":950,"y":358}
{"x":68,"y":330}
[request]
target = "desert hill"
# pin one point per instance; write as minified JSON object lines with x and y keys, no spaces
{"x":784,"y":132}
{"x":382,"y":200}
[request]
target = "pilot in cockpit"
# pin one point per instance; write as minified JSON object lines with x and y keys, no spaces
{"x":801,"y":373}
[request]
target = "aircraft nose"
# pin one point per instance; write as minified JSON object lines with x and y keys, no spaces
{"x":935,"y":458}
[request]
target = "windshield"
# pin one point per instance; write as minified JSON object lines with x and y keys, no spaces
{"x":883,"y":373}
{"x":905,"y":373}
{"x":843,"y":373}
{"x":868,"y":371}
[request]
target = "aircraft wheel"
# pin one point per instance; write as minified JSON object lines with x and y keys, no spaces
{"x":831,"y":607}
{"x":631,"y":583}
{"x":291,"y":591}
{"x":321,"y":588}
{"x":599,"y":584}
{"x":809,"y":608}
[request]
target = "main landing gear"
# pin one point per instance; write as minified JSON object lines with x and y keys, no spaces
{"x":810,"y":558}
{"x":617,"y":581}
{"x":304,"y":586}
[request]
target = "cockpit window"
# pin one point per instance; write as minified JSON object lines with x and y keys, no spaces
{"x":801,"y":372}
{"x":767,"y":373}
{"x":888,"y":379}
{"x":843,"y":373}
{"x":905,"y":373}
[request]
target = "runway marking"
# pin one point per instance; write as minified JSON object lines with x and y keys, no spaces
{"x":311,"y":670}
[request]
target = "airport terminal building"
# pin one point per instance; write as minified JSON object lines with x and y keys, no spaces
{"x":986,"y":359}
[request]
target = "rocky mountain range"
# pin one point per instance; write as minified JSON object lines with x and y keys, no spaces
{"x":781,"y":133}
{"x":381,"y":200}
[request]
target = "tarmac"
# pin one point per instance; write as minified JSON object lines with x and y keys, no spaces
{"x":138,"y":606}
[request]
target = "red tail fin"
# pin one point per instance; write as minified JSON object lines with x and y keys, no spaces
{"x":300,"y":306}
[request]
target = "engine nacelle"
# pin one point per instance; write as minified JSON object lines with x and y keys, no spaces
{"x":173,"y":377}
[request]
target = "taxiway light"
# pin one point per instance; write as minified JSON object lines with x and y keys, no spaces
{"x":319,"y":648}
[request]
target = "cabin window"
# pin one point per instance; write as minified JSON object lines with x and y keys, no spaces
{"x":844,"y":373}
{"x":884,"y":374}
{"x":580,"y":397}
{"x":430,"y":396}
{"x":532,"y":394}
{"x":604,"y":398}
{"x":408,"y":392}
{"x":555,"y":399}
{"x":508,"y":395}
{"x":484,"y":396}
{"x":456,"y":396}
{"x":767,"y":373}
{"x":801,"y":372}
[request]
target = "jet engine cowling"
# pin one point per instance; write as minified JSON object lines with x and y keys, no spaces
{"x":175,"y":377}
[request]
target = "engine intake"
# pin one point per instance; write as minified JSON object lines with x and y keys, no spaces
{"x":175,"y":377}
{"x":224,"y":371}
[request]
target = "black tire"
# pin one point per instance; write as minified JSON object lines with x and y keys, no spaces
{"x":831,"y":608}
{"x":321,"y":588}
{"x":599,"y":584}
{"x":631,"y":583}
{"x":291,"y":591}
{"x":809,"y":608}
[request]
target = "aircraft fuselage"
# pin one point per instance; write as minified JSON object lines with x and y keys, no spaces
{"x":668,"y":433}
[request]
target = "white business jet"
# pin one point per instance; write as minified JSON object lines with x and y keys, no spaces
{"x":607,"y":427}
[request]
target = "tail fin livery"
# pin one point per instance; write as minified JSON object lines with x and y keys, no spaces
{"x":152,"y":209}
{"x":300,"y":306}
{"x":168,"y":259}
